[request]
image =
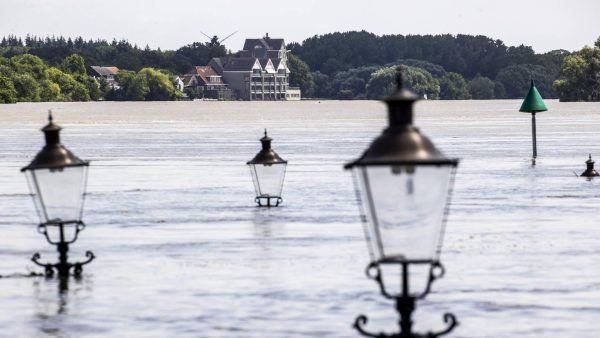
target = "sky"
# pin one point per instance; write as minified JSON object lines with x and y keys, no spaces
{"x":543,"y":24}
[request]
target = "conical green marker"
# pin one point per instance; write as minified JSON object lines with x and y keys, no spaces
{"x":533,"y":103}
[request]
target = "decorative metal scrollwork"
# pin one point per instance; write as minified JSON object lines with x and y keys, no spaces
{"x":404,"y":301}
{"x":63,"y":267}
{"x":49,"y":267}
{"x":362,"y":320}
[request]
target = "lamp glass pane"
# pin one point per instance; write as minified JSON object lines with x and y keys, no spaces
{"x":405,"y":207}
{"x":58,"y":193}
{"x":268,"y":179}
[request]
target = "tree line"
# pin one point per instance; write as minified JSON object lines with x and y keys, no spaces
{"x":462,"y":66}
{"x":27,"y":78}
{"x":349,"y":65}
{"x":119,"y":53}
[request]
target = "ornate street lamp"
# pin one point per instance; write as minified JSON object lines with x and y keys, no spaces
{"x":405,"y":184}
{"x":268,"y":172}
{"x":57,"y":180}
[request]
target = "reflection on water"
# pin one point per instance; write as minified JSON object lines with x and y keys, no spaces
{"x":54,"y":299}
{"x":183,"y":251}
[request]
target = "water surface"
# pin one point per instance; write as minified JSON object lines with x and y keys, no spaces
{"x":182,"y":251}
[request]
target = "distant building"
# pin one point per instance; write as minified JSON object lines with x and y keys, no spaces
{"x":106,"y":73}
{"x":293,"y":94}
{"x":207,"y":83}
{"x":258,"y":72}
{"x":178,"y":83}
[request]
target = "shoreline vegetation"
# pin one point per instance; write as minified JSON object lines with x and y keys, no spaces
{"x":343,"y":66}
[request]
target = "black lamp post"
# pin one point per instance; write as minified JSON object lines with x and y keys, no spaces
{"x":57,"y":180}
{"x":268,"y":172}
{"x":405,"y":186}
{"x":590,"y":171}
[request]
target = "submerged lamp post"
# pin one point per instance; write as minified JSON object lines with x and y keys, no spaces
{"x":268,"y":172}
{"x":533,"y":103}
{"x":405,"y":184}
{"x":590,"y":171}
{"x":57,"y":180}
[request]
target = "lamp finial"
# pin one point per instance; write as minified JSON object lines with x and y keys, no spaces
{"x":50,"y":116}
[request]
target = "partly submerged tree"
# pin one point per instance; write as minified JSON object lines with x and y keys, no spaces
{"x":300,"y":75}
{"x":580,"y":76}
{"x":28,"y":89}
{"x":50,"y":91}
{"x":454,"y":87}
{"x":420,"y":81}
{"x":148,"y":84}
{"x":482,"y":88}
{"x":74,"y":64}
{"x":517,"y":78}
{"x":70,"y":89}
{"x":8,"y":94}
{"x":160,"y":85}
{"x":322,"y":85}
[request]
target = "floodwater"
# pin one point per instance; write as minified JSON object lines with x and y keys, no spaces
{"x":183,"y":252}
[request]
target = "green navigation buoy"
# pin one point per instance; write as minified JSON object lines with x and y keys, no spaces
{"x":533,"y":103}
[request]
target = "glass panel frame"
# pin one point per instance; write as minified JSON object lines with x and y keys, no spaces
{"x":52,"y":206}
{"x":397,"y":230}
{"x":265,"y":186}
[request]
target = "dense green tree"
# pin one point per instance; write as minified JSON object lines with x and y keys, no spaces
{"x":74,"y":64}
{"x":322,"y":85}
{"x":516,"y":80}
{"x":517,"y":55}
{"x":70,"y":89}
{"x":435,"y":70}
{"x":160,"y":85}
{"x":28,"y":89}
{"x":580,"y":76}
{"x":128,"y":91}
{"x":8,"y":94}
{"x":195,"y":54}
{"x":138,"y":88}
{"x":454,"y":87}
{"x":499,"y":90}
{"x":147,"y":85}
{"x":192,"y":92}
{"x":383,"y":82}
{"x":103,"y":86}
{"x":351,"y":84}
{"x":30,"y":64}
{"x":464,"y":54}
{"x":50,"y":91}
{"x":92,"y":87}
{"x":481,"y":88}
{"x":300,"y":75}
{"x":552,"y":61}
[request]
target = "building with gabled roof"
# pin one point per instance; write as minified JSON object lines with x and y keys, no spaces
{"x":105,"y":72}
{"x":207,"y":82}
{"x":258,"y":72}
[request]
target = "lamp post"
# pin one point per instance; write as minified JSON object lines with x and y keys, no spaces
{"x":590,"y":171}
{"x":533,"y":103}
{"x":268,"y":172}
{"x":57,"y":180}
{"x":405,"y":184}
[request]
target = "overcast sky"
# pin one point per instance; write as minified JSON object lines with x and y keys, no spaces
{"x":543,"y":24}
